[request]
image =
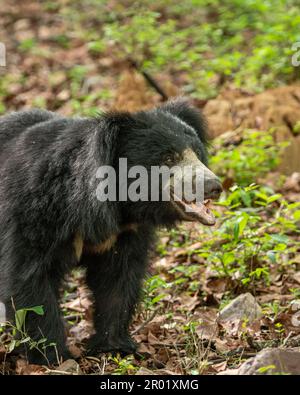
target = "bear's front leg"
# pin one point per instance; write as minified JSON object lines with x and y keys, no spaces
{"x":115,"y":278}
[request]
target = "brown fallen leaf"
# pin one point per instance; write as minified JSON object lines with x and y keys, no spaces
{"x":146,"y":348}
{"x":217,"y":285}
{"x":189,"y":249}
{"x":218,"y":367}
{"x":187,"y":301}
{"x":152,"y":339}
{"x":208,"y":326}
{"x":23,"y":368}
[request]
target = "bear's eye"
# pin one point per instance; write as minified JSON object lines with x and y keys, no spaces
{"x":169,"y":159}
{"x":172,"y":158}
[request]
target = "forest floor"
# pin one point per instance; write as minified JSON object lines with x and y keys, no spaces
{"x":195,"y":272}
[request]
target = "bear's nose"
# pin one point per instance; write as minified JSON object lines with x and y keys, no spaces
{"x":212,"y":188}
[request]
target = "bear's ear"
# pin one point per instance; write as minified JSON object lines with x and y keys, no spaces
{"x":184,"y":110}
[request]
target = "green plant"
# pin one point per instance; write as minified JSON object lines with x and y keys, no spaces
{"x":274,"y":308}
{"x":255,"y":156}
{"x":211,"y":41}
{"x":153,"y":291}
{"x":124,"y":365}
{"x":20,"y":336}
{"x":245,"y":247}
{"x":28,"y":45}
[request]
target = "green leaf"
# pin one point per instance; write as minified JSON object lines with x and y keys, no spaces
{"x":240,"y":225}
{"x":157,"y":298}
{"x":25,"y":340}
{"x":227,"y":258}
{"x":273,"y":198}
{"x":243,"y":221}
{"x":37,"y":309}
{"x":12,"y":345}
{"x":280,"y":238}
{"x":20,"y":315}
{"x":236,"y":231}
{"x":271,"y":256}
{"x":246,"y":198}
{"x":296,"y":215}
{"x":265,"y":369}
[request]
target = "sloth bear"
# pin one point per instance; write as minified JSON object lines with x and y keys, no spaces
{"x":51,"y":220}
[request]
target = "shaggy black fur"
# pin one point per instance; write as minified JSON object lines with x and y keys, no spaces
{"x":48,"y":167}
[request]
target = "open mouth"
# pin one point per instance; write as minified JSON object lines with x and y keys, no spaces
{"x":195,"y":211}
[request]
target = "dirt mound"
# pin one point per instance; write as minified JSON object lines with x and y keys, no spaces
{"x":232,"y":110}
{"x":279,"y":108}
{"x":134,"y":93}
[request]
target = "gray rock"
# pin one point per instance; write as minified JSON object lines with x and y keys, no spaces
{"x":241,"y":308}
{"x":270,"y":361}
{"x":69,"y":366}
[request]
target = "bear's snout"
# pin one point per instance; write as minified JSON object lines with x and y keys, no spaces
{"x":212,"y":188}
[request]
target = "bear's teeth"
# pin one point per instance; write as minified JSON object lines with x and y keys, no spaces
{"x":207,"y":203}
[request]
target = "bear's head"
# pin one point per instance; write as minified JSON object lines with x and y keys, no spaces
{"x":171,"y":137}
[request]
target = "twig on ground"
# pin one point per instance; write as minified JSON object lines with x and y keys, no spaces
{"x":146,"y":322}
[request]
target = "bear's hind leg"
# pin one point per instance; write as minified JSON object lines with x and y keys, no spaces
{"x":34,"y":291}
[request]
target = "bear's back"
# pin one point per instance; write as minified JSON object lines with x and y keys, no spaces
{"x":12,"y":125}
